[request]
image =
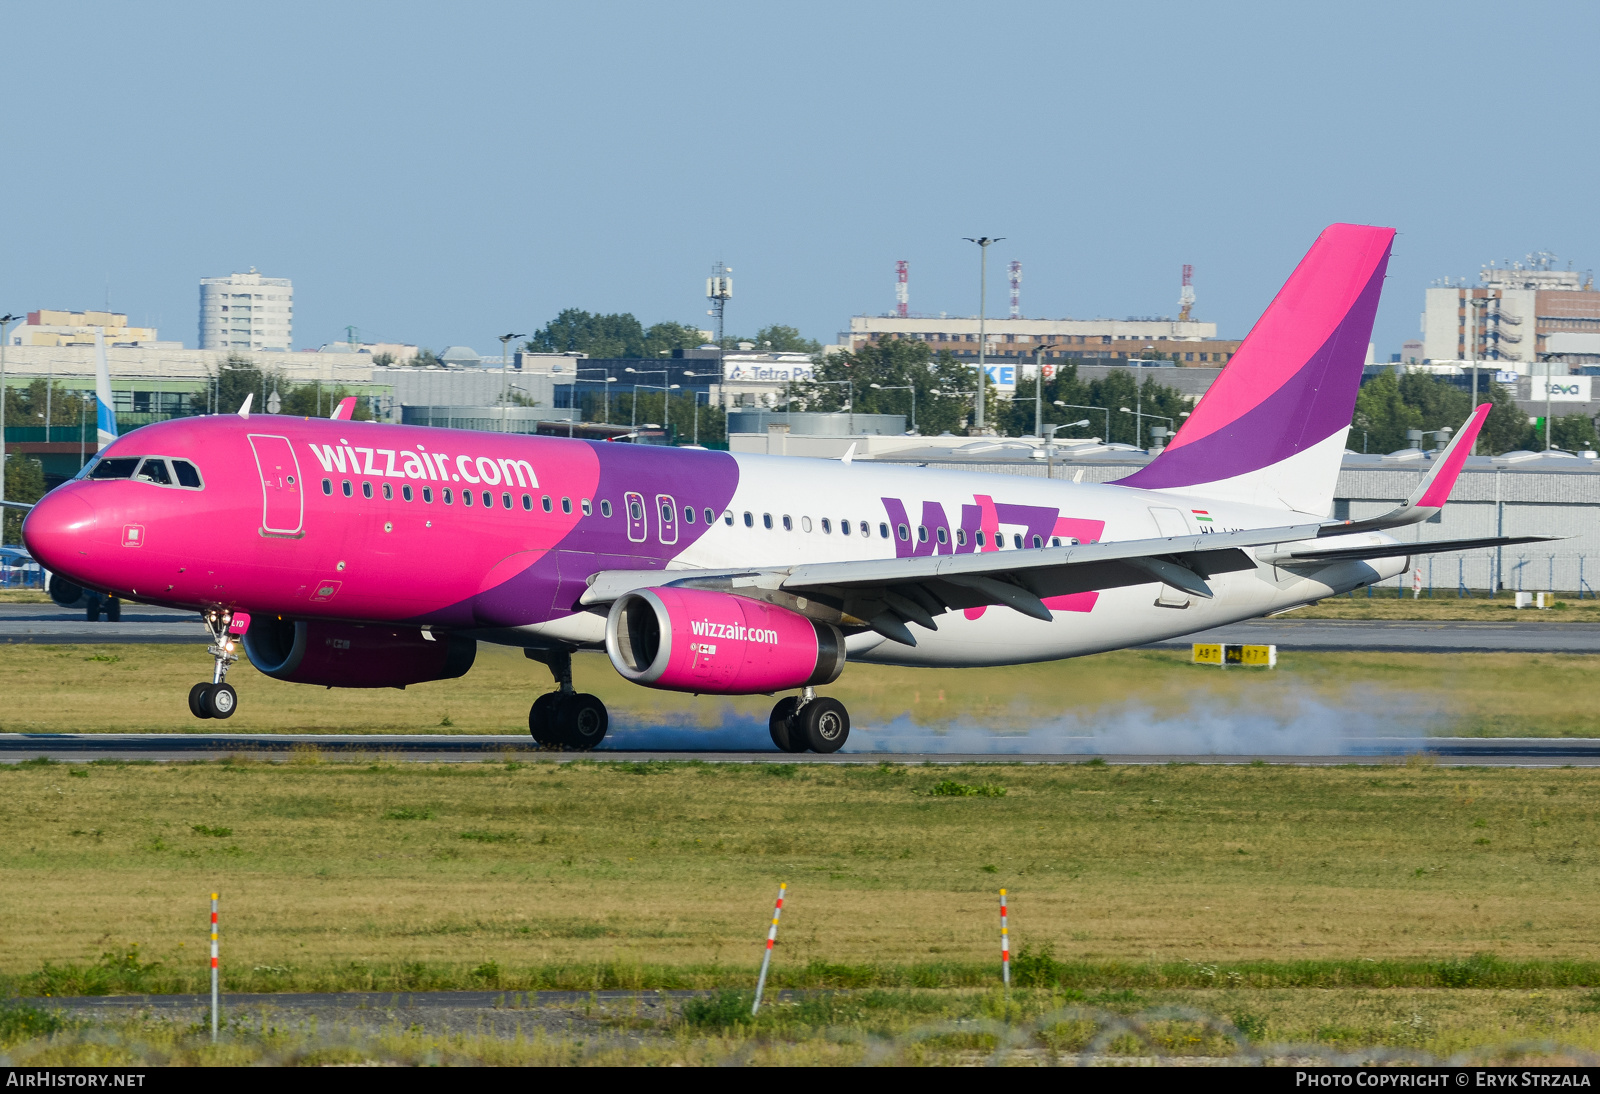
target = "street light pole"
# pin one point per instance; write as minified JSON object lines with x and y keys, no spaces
{"x":505,"y":377}
{"x":1038,"y":390}
{"x":901,"y":387}
{"x":983,"y":243}
{"x":5,"y":326}
{"x":1078,"y":406}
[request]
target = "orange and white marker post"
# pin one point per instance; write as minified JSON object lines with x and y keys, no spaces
{"x":214,"y":967}
{"x":772,"y":940}
{"x":1005,"y":946}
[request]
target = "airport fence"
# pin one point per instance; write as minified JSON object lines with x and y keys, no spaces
{"x":1564,"y":575}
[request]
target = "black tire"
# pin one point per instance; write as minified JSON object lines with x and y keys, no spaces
{"x":785,"y":734}
{"x":541,"y":719}
{"x":582,"y":721}
{"x":825,"y":724}
{"x":220,"y":700}
{"x":197,"y":700}
{"x":114,"y":610}
{"x":91,"y":611}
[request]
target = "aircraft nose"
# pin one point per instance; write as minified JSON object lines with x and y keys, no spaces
{"x":57,"y":527}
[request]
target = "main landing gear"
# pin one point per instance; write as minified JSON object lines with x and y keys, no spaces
{"x":564,"y":718}
{"x":216,"y":699}
{"x":801,"y":722}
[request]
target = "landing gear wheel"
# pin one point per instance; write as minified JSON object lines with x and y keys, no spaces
{"x":542,"y":721}
{"x":582,"y":721}
{"x":197,"y":700}
{"x":220,"y":700}
{"x":825,"y":725}
{"x":91,"y":611}
{"x":782,"y":725}
{"x":114,"y":610}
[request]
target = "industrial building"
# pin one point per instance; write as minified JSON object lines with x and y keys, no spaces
{"x":1517,"y":315}
{"x":1011,"y":343}
{"x":246,"y":311}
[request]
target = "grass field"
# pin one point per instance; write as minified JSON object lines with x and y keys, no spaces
{"x":593,"y":875}
{"x":142,"y":688}
{"x":1410,"y":906}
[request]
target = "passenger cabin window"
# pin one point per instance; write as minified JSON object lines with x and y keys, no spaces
{"x":327,"y":487}
{"x":688,"y":514}
{"x":119,"y":468}
{"x":447,"y":496}
{"x":827,"y":526}
{"x":346,"y":488}
{"x":505,"y":501}
{"x":766,"y":521}
{"x":605,"y":508}
{"x":388,"y":492}
{"x":527,"y":503}
{"x":788,"y":524}
{"x":883,"y":529}
{"x":488,"y":500}
{"x":844,"y":528}
{"x":711,"y":517}
{"x":727,"y":518}
{"x":961,"y":537}
{"x":587,"y":508}
{"x":427,"y":495}
{"x":544,"y":503}
{"x":366,"y":490}
{"x":566,"y":505}
{"x":466,"y":497}
{"x":405,"y":491}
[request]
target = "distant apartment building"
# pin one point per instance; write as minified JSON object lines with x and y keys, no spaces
{"x":1518,"y":314}
{"x":78,"y":328}
{"x":246,"y":312}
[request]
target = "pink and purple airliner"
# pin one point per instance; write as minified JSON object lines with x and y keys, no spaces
{"x":368,"y":555}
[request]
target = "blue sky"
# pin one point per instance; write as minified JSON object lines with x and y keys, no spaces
{"x":446,"y":173}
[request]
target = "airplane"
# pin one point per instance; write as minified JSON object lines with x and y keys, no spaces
{"x":372,"y":555}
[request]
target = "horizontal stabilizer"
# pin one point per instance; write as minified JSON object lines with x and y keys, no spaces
{"x":1396,"y":550}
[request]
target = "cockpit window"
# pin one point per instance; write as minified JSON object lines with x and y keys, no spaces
{"x":154,"y":469}
{"x":120,"y":468}
{"x":158,"y":470}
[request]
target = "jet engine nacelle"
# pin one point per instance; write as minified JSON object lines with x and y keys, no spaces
{"x":345,"y":655}
{"x":716,"y":643}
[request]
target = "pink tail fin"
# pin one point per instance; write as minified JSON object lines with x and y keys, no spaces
{"x":1271,"y":429}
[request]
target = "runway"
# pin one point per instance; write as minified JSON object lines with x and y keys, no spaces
{"x":430,"y":748}
{"x":48,"y":624}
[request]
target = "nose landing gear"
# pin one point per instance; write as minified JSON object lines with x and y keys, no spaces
{"x":217,"y":699}
{"x":801,"y":722}
{"x":565,"y":718}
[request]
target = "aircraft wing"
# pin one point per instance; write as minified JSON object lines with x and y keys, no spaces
{"x":886,"y":594}
{"x":23,"y":505}
{"x":1396,"y":550}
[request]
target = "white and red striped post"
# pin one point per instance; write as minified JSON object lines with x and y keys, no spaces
{"x":1005,"y":946}
{"x":772,"y":940}
{"x":214,"y":1000}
